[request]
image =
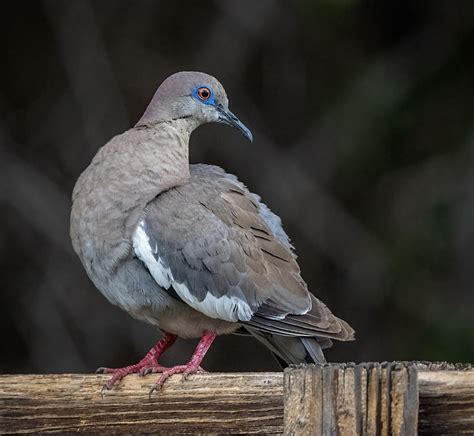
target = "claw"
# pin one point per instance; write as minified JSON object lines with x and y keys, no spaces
{"x":193,"y":365}
{"x":154,"y":388}
{"x":143,"y":367}
{"x":144,"y":371}
{"x":188,"y":372}
{"x":104,"y":370}
{"x":151,"y":369}
{"x":119,"y":373}
{"x":149,"y":364}
{"x":166,"y":373}
{"x":102,"y":391}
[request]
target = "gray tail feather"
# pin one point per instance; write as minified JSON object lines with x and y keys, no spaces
{"x":292,"y":350}
{"x":314,"y":349}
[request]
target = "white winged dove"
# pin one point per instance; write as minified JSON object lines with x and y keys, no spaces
{"x":187,"y":248}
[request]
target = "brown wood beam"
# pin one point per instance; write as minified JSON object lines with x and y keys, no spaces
{"x":345,"y":399}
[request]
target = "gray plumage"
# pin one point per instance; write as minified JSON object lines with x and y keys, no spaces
{"x":188,"y":248}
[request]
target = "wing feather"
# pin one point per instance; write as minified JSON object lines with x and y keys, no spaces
{"x":226,"y":254}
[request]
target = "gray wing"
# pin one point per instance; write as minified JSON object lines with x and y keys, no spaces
{"x":226,"y":255}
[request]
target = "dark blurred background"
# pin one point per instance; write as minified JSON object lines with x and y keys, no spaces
{"x":362,"y":113}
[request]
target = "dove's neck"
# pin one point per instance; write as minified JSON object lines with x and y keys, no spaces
{"x":165,"y":151}
{"x":151,"y":159}
{"x":159,"y":160}
{"x":126,"y":174}
{"x":111,"y":195}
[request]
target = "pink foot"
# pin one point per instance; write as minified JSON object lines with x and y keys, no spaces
{"x":158,"y":369}
{"x":192,"y":367}
{"x":185,"y":370}
{"x":148,"y":362}
{"x":119,"y":373}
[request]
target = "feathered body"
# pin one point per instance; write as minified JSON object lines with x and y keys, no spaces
{"x":187,"y":248}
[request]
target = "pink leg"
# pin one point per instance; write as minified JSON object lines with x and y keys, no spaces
{"x":192,"y":367}
{"x":149,"y":361}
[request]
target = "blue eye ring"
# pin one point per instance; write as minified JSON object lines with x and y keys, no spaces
{"x":204,"y":94}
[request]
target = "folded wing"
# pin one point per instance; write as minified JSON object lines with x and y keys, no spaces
{"x":224,"y":253}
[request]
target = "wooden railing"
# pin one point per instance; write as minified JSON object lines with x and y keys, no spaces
{"x":340,"y":399}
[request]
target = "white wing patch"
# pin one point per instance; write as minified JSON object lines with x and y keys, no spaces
{"x":141,"y":245}
{"x":226,"y":308}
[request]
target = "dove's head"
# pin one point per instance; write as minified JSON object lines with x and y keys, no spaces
{"x":195,"y":97}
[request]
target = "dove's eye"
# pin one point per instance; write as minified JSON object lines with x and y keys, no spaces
{"x":204,"y":93}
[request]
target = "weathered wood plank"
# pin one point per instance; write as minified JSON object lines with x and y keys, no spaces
{"x":381,"y":400}
{"x":245,"y":403}
{"x":303,"y":396}
{"x":446,"y":402}
{"x":344,"y":399}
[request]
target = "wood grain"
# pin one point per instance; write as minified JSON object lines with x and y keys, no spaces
{"x":446,"y":402}
{"x":245,"y":403}
{"x":340,"y":399}
{"x":348,"y":399}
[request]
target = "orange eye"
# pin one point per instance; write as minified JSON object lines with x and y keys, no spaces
{"x":204,"y":93}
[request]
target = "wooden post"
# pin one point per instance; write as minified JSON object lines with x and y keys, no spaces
{"x":446,"y":399}
{"x":365,"y":399}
